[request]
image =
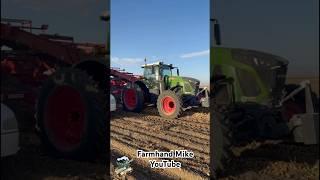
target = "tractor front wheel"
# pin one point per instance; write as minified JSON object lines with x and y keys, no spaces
{"x":169,"y":104}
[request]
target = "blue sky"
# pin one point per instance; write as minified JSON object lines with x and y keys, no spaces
{"x":174,"y":31}
{"x":288,"y":28}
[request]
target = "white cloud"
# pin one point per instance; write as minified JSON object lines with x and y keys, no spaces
{"x":195,"y":54}
{"x":126,"y":61}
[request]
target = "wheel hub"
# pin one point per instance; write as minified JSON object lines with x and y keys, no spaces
{"x":130,"y":98}
{"x":168,"y":105}
{"x":65,"y":117}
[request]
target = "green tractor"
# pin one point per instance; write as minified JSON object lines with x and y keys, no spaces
{"x":172,"y":94}
{"x":250,"y":101}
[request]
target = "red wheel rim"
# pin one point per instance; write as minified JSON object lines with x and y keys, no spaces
{"x":168,"y":105}
{"x":65,"y":118}
{"x":130,"y":98}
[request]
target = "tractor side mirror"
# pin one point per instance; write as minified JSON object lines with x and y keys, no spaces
{"x":105,"y":16}
{"x":178,"y":72}
{"x":216,"y":31}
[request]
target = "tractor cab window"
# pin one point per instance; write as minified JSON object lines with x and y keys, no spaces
{"x":166,"y":71}
{"x":149,"y":72}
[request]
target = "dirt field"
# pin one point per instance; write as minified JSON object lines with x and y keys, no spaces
{"x":274,"y":160}
{"x":147,"y":131}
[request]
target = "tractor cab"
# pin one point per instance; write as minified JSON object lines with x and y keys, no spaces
{"x":157,"y":75}
{"x":158,"y":70}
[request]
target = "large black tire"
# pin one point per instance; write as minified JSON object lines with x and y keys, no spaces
{"x":145,"y":90}
{"x":221,"y":141}
{"x":71,"y":115}
{"x":222,"y":116}
{"x":169,"y":104}
{"x":132,"y":99}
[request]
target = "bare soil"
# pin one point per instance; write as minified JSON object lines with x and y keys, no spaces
{"x":274,"y":160}
{"x":148,"y":131}
{"x":257,"y":160}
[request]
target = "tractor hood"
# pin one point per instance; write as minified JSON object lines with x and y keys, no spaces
{"x":191,"y":80}
{"x":194,"y":84}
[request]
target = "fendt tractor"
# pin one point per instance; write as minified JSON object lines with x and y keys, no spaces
{"x":62,"y":82}
{"x":172,"y":94}
{"x":250,"y":101}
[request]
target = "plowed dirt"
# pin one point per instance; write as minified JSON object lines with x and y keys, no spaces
{"x":148,"y":131}
{"x":255,"y":161}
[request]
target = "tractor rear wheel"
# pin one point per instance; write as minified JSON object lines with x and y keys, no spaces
{"x":169,"y":104}
{"x":133,"y":99}
{"x":71,"y":115}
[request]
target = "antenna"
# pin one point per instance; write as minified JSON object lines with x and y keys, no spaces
{"x":145,"y":61}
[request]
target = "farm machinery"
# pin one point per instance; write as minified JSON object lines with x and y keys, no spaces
{"x":158,"y":86}
{"x":250,"y":101}
{"x":63,"y":83}
{"x":9,"y":132}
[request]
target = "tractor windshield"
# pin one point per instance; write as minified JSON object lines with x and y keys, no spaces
{"x":166,"y":71}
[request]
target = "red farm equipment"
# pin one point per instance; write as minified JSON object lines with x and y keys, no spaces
{"x":126,"y":88}
{"x":64,"y":83}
